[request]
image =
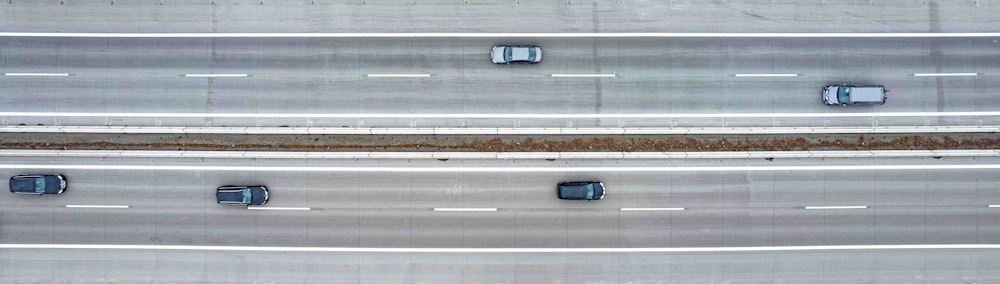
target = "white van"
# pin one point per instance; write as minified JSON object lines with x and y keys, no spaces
{"x":854,"y":95}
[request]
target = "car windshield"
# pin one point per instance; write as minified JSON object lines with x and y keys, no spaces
{"x":842,"y":94}
{"x":531,"y":54}
{"x":590,"y":191}
{"x":507,"y":54}
{"x":247,"y":196}
{"x":40,"y":185}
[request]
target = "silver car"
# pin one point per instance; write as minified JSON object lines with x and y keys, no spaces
{"x":507,"y":54}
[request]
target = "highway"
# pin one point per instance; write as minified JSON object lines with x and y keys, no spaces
{"x":371,"y":67}
{"x":680,"y":82}
{"x":387,"y":210}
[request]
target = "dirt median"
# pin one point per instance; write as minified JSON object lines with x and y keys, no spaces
{"x":499,"y":143}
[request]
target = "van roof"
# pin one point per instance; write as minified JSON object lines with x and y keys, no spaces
{"x":867,"y":94}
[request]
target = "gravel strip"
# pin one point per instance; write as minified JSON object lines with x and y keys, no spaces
{"x":502,"y":143}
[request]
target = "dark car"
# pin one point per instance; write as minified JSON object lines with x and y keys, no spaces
{"x":38,"y":184}
{"x":241,"y":195}
{"x":581,"y":190}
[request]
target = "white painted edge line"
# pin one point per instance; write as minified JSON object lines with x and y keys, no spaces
{"x":279,"y":208}
{"x":99,"y":206}
{"x":215,"y":75}
{"x":495,"y":35}
{"x":496,"y":155}
{"x":654,"y":209}
{"x":398,"y":75}
{"x":944,"y":74}
{"x":497,"y":115}
{"x":499,"y":250}
{"x":834,"y":207}
{"x":494,"y":131}
{"x":465,"y":209}
{"x":38,"y":74}
{"x":501,"y":169}
{"x":583,"y":75}
{"x":994,"y":206}
{"x":767,"y":75}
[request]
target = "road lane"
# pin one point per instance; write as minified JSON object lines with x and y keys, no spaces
{"x":329,"y":76}
{"x":397,"y":209}
{"x":500,"y":16}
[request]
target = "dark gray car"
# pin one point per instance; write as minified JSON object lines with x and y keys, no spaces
{"x":241,"y":195}
{"x":580,"y":190}
{"x":38,"y":184}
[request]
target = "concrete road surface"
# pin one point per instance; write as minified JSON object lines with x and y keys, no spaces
{"x":300,"y":77}
{"x":396,"y":210}
{"x":499,"y":15}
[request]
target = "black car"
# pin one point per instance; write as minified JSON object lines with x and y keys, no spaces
{"x":38,"y":184}
{"x":241,"y":195}
{"x":581,"y":190}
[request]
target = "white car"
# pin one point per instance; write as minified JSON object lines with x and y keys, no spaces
{"x":507,"y":54}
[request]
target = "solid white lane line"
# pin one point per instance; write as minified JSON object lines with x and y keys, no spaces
{"x":496,"y":35}
{"x":215,"y":75}
{"x":279,"y":208}
{"x":994,"y":206}
{"x":497,"y":115}
{"x":502,"y":169}
{"x":834,"y":207}
{"x":99,"y":206}
{"x":498,"y":130}
{"x":501,"y":250}
{"x":583,"y":75}
{"x":944,"y":74}
{"x":465,"y":209}
{"x":767,"y":75}
{"x":398,"y":75}
{"x":497,"y":155}
{"x":38,"y":74}
{"x":654,"y":209}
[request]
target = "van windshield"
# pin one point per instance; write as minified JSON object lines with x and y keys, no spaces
{"x":842,"y":94}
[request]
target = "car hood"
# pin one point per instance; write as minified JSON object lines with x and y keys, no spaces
{"x":497,"y":55}
{"x":258,"y":195}
{"x":830,"y":95}
{"x":53,"y":185}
